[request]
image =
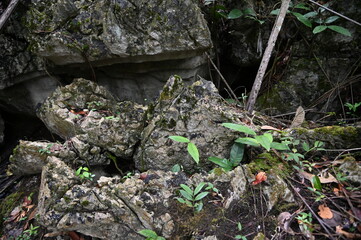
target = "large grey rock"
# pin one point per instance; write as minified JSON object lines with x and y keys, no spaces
{"x":111,"y":209}
{"x":195,"y":112}
{"x":30,"y":157}
{"x":91,"y":113}
{"x":105,"y":32}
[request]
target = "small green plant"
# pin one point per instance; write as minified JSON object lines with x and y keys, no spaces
{"x":46,"y":150}
{"x":150,"y":234}
{"x":84,"y":174}
{"x":236,"y":156}
{"x":128,"y":175}
{"x":191,"y":147}
{"x":318,"y":17}
{"x":112,"y":118}
{"x":305,"y":220}
{"x":193,"y":197}
{"x":29,"y":233}
{"x":239,"y":226}
{"x":319,"y":195}
{"x":94,"y":105}
{"x":353,"y":108}
{"x":211,"y":187}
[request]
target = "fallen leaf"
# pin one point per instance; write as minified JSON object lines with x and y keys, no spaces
{"x":347,"y":234}
{"x":309,"y":177}
{"x":299,"y":118}
{"x":284,"y":222}
{"x":325,"y":212}
{"x":260,"y":177}
{"x":73,"y":235}
{"x":270,"y":128}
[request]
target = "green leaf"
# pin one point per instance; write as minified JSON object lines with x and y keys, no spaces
{"x":248,"y":141}
{"x":250,"y":12}
{"x":339,"y":29}
{"x":198,"y":207}
{"x":239,"y":128}
{"x":239,"y":226}
{"x":316,"y":183}
{"x":331,"y":19}
{"x":265,"y":140}
{"x":302,"y":19}
{"x":176,"y":168}
{"x":301,"y":6}
{"x":148,"y":233}
{"x":235,"y":13}
{"x":279,"y":146}
{"x":186,"y":195}
{"x":198,"y":188}
{"x":237,"y":152}
{"x":187,"y":189}
{"x":77,"y":173}
{"x":319,"y":29}
{"x":311,"y":14}
{"x":275,"y":12}
{"x":201,"y":196}
{"x":318,"y":144}
{"x":223,"y":163}
{"x":179,"y":139}
{"x":305,"y":146}
{"x":193,"y":151}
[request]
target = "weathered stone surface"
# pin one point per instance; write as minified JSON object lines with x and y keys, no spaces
{"x":116,"y":210}
{"x":334,"y":137}
{"x":30,"y":157}
{"x":195,"y":112}
{"x":351,"y":170}
{"x":88,"y":111}
{"x":106,"y":32}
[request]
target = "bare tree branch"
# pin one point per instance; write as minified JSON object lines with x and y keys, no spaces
{"x":267,"y":55}
{"x":4,"y":17}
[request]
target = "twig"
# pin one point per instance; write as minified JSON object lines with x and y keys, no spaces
{"x":4,"y":17}
{"x":326,"y":227}
{"x":223,"y":79}
{"x":334,"y":12}
{"x":267,"y":55}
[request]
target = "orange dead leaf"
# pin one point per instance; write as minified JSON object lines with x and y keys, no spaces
{"x":260,"y":177}
{"x":325,"y":212}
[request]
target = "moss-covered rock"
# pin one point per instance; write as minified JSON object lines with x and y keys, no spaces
{"x":109,"y":32}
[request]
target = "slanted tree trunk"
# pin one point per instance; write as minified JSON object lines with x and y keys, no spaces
{"x":4,"y":17}
{"x":267,"y":55}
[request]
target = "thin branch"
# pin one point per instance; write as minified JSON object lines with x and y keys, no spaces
{"x":334,"y":12}
{"x":224,"y":80}
{"x":4,"y":17}
{"x":267,"y":55}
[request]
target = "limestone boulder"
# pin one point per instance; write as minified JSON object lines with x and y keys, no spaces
{"x":91,"y":113}
{"x":105,"y":32}
{"x":196,"y":112}
{"x":111,"y":208}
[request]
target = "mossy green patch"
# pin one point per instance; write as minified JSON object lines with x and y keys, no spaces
{"x":8,"y":204}
{"x":267,"y":161}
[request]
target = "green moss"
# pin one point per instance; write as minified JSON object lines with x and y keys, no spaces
{"x":348,"y":132}
{"x":266,"y":162}
{"x":8,"y":204}
{"x":85,"y":203}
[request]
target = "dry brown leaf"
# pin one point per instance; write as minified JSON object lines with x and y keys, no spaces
{"x":260,"y":177}
{"x":270,"y":128}
{"x":309,"y":177}
{"x":325,"y":212}
{"x":347,"y":234}
{"x":299,"y":117}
